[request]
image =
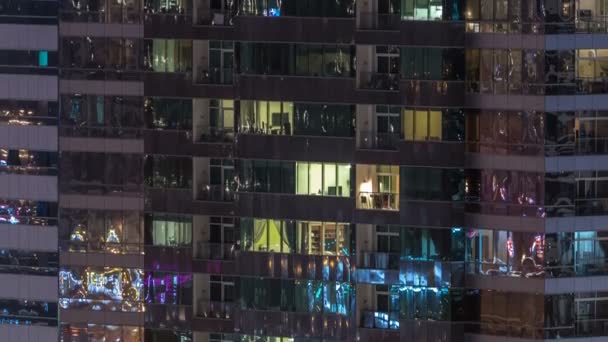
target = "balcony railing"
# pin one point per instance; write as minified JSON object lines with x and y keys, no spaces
{"x":216,"y":193}
{"x":217,"y":135}
{"x":216,"y":18}
{"x":379,"y":320}
{"x":378,"y":200}
{"x":380,"y":22}
{"x":168,"y":18}
{"x":214,"y":75}
{"x":215,"y":251}
{"x":378,"y":141}
{"x":101,"y":132}
{"x":380,"y":260}
{"x":379,"y":81}
{"x":582,"y":24}
{"x":215,"y":310}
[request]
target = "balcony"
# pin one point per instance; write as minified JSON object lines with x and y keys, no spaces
{"x":294,"y":266}
{"x":217,"y":135}
{"x":379,"y":320}
{"x":380,"y":260}
{"x":220,"y":18}
{"x":214,"y":75}
{"x":378,"y":200}
{"x":302,"y":324}
{"x":295,"y":207}
{"x":370,"y":140}
{"x":272,"y":146}
{"x":216,"y":193}
{"x":215,"y":310}
{"x":379,"y":22}
{"x":378,"y":81}
{"x":215,"y":251}
{"x":101,"y":132}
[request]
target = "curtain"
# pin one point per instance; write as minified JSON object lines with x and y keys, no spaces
{"x":259,"y":228}
{"x":288,"y":235}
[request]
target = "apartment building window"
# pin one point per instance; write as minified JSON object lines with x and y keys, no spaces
{"x":424,"y":9}
{"x":295,"y":237}
{"x":296,"y":59}
{"x":117,"y":232}
{"x":28,"y":162}
{"x":106,"y":288}
{"x":221,"y":231}
{"x":324,"y":119}
{"x":304,"y":296}
{"x":168,"y":6}
{"x":221,"y":115}
{"x":378,"y":187}
{"x":387,"y":239}
{"x":387,"y":59}
{"x":221,"y":289}
{"x":168,"y":55}
{"x":300,"y":8}
{"x":323,"y":179}
{"x":221,"y":62}
{"x":386,"y":315}
{"x":438,"y":184}
{"x":422,"y":125}
{"x":167,"y":113}
{"x":23,"y":113}
{"x":267,"y":117}
{"x":432,"y":63}
{"x":168,"y":288}
{"x":168,"y":230}
{"x":388,"y":119}
{"x":168,"y":172}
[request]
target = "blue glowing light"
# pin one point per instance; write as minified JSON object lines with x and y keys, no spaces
{"x":274,"y":12}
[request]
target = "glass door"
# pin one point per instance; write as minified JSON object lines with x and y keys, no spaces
{"x":221,"y":236}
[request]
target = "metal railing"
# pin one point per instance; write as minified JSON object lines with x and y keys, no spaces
{"x":214,"y":75}
{"x":379,"y":320}
{"x":378,"y":81}
{"x":591,"y":24}
{"x":215,"y":18}
{"x":161,"y":18}
{"x":215,"y":310}
{"x":217,"y":192}
{"x":215,"y":134}
{"x":378,"y":141}
{"x":215,"y":250}
{"x":380,"y":260}
{"x":378,"y":200}
{"x":101,"y":132}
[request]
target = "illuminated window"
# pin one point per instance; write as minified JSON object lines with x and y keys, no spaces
{"x":43,"y":58}
{"x":420,"y":125}
{"x":323,"y":179}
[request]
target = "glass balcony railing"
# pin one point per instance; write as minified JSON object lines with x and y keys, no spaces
{"x":378,"y":81}
{"x":215,"y":250}
{"x":214,"y":309}
{"x":380,"y":260}
{"x":214,"y":75}
{"x":216,"y":193}
{"x":217,"y":135}
{"x":378,"y":141}
{"x":215,"y":18}
{"x":379,"y":320}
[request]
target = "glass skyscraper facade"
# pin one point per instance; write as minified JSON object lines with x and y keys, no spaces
{"x":303,"y":170}
{"x":29,"y":257}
